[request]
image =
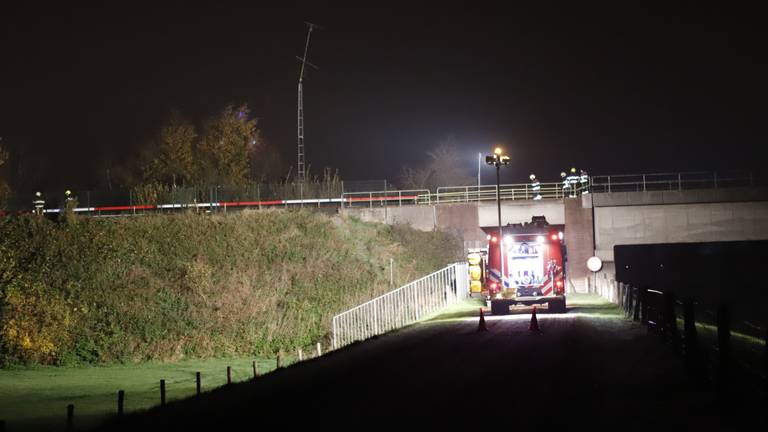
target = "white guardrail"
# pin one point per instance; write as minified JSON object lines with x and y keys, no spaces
{"x":403,"y":306}
{"x":458,"y":194}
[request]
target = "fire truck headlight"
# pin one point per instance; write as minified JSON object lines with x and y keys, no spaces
{"x":488,"y":237}
{"x":559,"y":284}
{"x":493,"y":285}
{"x":560,"y":235}
{"x":540,"y":239}
{"x":509,"y":239}
{"x":554,"y":237}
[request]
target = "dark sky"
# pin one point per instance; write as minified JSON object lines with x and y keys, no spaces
{"x":613,"y":90}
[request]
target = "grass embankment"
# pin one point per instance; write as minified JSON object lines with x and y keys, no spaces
{"x":126,"y":302}
{"x":35,"y":398}
{"x":184,"y":286}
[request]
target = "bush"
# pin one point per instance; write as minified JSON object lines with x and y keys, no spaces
{"x":167,"y":287}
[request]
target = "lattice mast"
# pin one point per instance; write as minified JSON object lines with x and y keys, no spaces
{"x":301,"y":168}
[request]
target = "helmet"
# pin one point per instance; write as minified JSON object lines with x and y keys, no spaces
{"x":573,"y":170}
{"x":532,"y":176}
{"x":38,"y":194}
{"x":562,"y":174}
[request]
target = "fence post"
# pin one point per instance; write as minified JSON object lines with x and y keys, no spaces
{"x":70,"y":417}
{"x":162,"y":392}
{"x":724,"y":343}
{"x":301,"y":355}
{"x":670,"y":318}
{"x":691,"y":341}
{"x":636,"y":298}
{"x":255,"y":371}
{"x":120,"y":402}
{"x":279,"y":360}
{"x":229,"y":375}
{"x":197,"y":383}
{"x":765,"y":352}
{"x":319,"y":349}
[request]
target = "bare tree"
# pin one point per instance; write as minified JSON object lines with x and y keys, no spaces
{"x":442,"y":167}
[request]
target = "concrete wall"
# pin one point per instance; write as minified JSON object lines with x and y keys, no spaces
{"x":578,"y":241}
{"x":616,"y":199}
{"x":520,"y":211}
{"x":678,"y":223}
{"x":419,"y":217}
{"x":461,"y":219}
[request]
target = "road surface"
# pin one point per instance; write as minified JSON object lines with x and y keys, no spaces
{"x":587,"y":368}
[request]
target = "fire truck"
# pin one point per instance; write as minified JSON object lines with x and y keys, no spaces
{"x":534,"y":256}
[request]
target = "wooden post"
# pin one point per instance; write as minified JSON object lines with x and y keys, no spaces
{"x":636,"y":298}
{"x":70,"y":417}
{"x":690,"y":340}
{"x":279,"y":360}
{"x":765,"y":354}
{"x":120,"y":402}
{"x":229,"y":375}
{"x":670,"y":317}
{"x":724,"y":343}
{"x":301,"y":355}
{"x":162,"y":392}
{"x":197,"y":383}
{"x":255,"y":371}
{"x":319,"y":349}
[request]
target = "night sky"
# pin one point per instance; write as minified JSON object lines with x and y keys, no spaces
{"x":612,"y":90}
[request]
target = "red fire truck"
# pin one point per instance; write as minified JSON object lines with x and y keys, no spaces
{"x":534,"y":266}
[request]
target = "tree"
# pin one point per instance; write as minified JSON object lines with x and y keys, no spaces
{"x":5,"y":190}
{"x":227,"y":146}
{"x":171,"y":159}
{"x":442,"y":167}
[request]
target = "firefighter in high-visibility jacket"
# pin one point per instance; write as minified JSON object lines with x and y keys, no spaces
{"x":570,"y":182}
{"x":584,"y":182}
{"x":535,"y":187}
{"x":39,"y":203}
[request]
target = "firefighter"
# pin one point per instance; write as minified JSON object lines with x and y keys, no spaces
{"x":570,"y":182}
{"x":565,"y":183}
{"x":584,"y":180}
{"x":69,"y":201}
{"x":536,"y":187}
{"x":39,"y":203}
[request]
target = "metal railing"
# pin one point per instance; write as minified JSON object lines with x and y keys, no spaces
{"x":387,"y":197}
{"x":671,"y":181}
{"x":522,"y":191}
{"x":403,"y":306}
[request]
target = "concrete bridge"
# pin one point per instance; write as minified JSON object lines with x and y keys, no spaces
{"x":628,"y":213}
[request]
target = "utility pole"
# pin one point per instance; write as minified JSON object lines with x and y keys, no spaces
{"x":479,"y":163}
{"x":300,"y":171}
{"x":498,"y":159}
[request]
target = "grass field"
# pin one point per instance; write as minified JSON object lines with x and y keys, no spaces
{"x":35,"y":398}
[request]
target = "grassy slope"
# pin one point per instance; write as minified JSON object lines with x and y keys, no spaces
{"x":191,"y":286}
{"x":35,"y":398}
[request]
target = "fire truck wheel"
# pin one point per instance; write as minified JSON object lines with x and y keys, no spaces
{"x":557,"y":305}
{"x":499,"y":307}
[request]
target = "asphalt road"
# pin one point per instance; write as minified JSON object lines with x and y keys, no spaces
{"x":588,"y":368}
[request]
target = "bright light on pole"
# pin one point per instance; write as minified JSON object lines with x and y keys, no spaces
{"x":498,"y":159}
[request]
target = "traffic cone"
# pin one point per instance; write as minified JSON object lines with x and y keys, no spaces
{"x":534,"y":326}
{"x":481,"y":326}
